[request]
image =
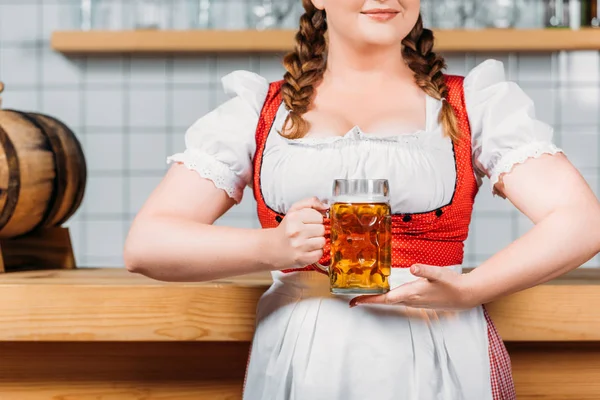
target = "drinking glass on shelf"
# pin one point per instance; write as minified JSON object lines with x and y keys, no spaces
{"x":531,"y":14}
{"x":152,"y":14}
{"x":100,"y":15}
{"x":228,"y":14}
{"x":448,"y":14}
{"x":426,"y":10}
{"x":192,"y":14}
{"x":557,"y":13}
{"x":292,"y":21}
{"x":203,"y":13}
{"x":471,"y":17}
{"x":500,"y":13}
{"x":85,"y":15}
{"x":268,"y":14}
{"x":594,"y":13}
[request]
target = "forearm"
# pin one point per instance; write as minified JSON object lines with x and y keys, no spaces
{"x":171,"y":249}
{"x":562,"y":241}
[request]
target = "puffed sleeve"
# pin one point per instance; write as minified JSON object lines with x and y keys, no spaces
{"x":504,"y":127}
{"x":220,"y":145}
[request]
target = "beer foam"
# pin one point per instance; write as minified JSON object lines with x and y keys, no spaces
{"x":360,"y":199}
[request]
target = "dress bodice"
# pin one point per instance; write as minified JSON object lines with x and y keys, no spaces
{"x":419,"y":165}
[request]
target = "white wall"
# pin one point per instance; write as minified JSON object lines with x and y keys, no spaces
{"x":131,"y":112}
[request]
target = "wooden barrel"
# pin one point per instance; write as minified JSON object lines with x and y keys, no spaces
{"x":42,"y":173}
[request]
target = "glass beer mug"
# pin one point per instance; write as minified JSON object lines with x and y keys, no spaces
{"x":361,"y":237}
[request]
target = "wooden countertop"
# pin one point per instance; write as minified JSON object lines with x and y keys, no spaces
{"x":115,"y":305}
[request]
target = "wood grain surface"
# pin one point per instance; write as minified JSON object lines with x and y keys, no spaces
{"x":50,"y":247}
{"x":122,"y":371}
{"x":556,"y":371}
{"x":115,"y":305}
{"x":201,"y":41}
{"x":215,"y":371}
{"x":107,"y":334}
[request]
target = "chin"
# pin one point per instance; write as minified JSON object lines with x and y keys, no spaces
{"x":382,"y":37}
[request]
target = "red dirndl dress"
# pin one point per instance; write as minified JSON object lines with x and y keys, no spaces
{"x":433,"y":238}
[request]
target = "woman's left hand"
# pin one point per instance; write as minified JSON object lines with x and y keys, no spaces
{"x":437,"y":288}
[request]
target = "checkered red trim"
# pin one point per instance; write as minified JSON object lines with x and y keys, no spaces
{"x":503,"y":387}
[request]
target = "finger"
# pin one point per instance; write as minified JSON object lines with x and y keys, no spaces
{"x":399,"y":295}
{"x":314,"y":231}
{"x":314,"y":244}
{"x":433,"y":274}
{"x":368,"y":299}
{"x":314,"y":256}
{"x":310,"y":216}
{"x":312,"y":202}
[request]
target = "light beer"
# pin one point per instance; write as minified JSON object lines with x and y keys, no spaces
{"x":360,"y":247}
{"x":361,"y":237}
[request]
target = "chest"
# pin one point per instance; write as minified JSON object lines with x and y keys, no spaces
{"x":420,"y":168}
{"x":382,"y":113}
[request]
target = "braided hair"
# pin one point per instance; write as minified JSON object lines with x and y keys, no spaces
{"x":305,"y":67}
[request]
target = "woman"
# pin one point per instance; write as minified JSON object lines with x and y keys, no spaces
{"x":372,"y":101}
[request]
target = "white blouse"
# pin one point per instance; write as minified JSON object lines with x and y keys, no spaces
{"x":419,"y":165}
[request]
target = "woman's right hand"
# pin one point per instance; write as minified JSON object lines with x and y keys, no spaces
{"x":300,"y":238}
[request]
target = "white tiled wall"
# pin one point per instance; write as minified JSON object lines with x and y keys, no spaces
{"x":131,"y":112}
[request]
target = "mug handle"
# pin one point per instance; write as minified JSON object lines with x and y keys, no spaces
{"x":322,"y":267}
{"x":326,"y":214}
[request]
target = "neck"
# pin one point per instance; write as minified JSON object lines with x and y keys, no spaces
{"x":348,"y":63}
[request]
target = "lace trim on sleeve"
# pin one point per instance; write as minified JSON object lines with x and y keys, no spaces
{"x":210,"y":168}
{"x":518,"y":156}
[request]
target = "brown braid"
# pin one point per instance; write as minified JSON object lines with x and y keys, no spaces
{"x":428,"y":67}
{"x":306,"y":64}
{"x":305,"y":67}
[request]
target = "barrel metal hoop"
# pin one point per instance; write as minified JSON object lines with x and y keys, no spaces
{"x":81,"y":171}
{"x":59,"y":185}
{"x":14,"y":179}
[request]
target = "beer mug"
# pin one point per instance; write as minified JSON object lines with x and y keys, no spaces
{"x":361,"y":237}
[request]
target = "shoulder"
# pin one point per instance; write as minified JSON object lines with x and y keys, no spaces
{"x":247,"y":89}
{"x":488,"y":72}
{"x":487,"y":90}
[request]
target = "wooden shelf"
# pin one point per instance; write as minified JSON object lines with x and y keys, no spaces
{"x":148,"y":41}
{"x":94,"y":305}
{"x":103,"y":42}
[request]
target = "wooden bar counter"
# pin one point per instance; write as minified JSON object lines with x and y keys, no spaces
{"x":108,"y":334}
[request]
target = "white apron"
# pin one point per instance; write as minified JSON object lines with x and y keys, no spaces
{"x":309,"y":345}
